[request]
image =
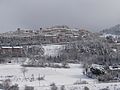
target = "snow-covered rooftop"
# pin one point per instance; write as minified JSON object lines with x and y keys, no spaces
{"x":11,"y":47}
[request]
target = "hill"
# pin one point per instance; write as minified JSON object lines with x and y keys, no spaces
{"x":115,"y":30}
{"x":52,"y":35}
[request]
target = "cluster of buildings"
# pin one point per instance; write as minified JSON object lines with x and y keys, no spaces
{"x":12,"y":43}
{"x":51,"y":35}
{"x":11,"y":51}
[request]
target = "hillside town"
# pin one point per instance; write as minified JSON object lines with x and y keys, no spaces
{"x":42,"y":59}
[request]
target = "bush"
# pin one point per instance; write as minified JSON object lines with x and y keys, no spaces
{"x":1,"y":86}
{"x":65,"y":65}
{"x":6,"y":84}
{"x":86,"y":88}
{"x":62,"y":87}
{"x":29,"y":88}
{"x":53,"y":86}
{"x":105,"y":78}
{"x":14,"y":87}
{"x":80,"y":82}
{"x":105,"y":89}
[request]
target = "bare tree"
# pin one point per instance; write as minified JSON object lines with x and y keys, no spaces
{"x":40,"y":78}
{"x":24,"y":71}
{"x":35,"y":53}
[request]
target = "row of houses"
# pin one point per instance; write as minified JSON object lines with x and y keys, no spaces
{"x":45,"y":36}
{"x":9,"y":51}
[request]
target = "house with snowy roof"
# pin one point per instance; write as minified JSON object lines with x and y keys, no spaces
{"x":15,"y":51}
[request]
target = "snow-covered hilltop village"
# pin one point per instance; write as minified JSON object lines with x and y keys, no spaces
{"x":60,"y":58}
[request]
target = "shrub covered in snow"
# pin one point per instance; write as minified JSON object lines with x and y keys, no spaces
{"x":6,"y":84}
{"x":53,"y":86}
{"x":80,"y":82}
{"x":29,"y":88}
{"x":105,"y":88}
{"x":86,"y":88}
{"x":62,"y":87}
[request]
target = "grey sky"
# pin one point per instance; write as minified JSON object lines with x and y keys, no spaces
{"x":93,"y":15}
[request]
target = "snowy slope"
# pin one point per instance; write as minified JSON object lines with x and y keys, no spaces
{"x":52,"y":50}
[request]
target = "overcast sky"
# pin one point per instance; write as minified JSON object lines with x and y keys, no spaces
{"x":93,"y":15}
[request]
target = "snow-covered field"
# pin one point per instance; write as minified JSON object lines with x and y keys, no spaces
{"x":59,"y":76}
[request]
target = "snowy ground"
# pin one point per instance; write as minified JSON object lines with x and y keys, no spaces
{"x":59,"y":76}
{"x":52,"y":50}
